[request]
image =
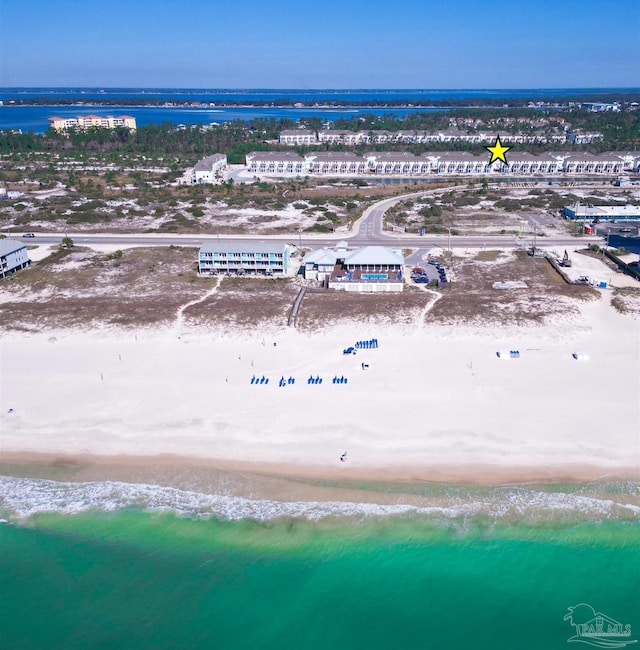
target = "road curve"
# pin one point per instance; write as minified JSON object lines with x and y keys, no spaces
{"x":365,"y":231}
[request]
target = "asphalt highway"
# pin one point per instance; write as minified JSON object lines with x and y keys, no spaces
{"x":366,"y":231}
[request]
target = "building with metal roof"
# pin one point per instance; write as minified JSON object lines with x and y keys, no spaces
{"x":366,"y":269}
{"x":587,"y":212}
{"x":13,"y":256}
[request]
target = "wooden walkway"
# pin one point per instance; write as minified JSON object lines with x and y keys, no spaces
{"x":295,"y":308}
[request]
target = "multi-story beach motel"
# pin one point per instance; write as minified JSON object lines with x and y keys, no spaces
{"x":13,"y":256}
{"x":243,"y":257}
{"x":209,"y":169}
{"x":602,"y":212}
{"x":83,"y":122}
{"x":278,"y":163}
{"x":306,"y":137}
{"x":367,"y":269}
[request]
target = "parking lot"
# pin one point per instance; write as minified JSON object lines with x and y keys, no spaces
{"x":432,"y":271}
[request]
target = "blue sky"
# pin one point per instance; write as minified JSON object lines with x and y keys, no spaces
{"x":320,"y":44}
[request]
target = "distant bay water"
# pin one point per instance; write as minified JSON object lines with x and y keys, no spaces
{"x":35,"y":117}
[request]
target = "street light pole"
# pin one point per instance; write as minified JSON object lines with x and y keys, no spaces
{"x":449,"y":239}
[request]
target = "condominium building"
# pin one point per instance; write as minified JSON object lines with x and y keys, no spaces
{"x":397,"y":162}
{"x":220,"y":256}
{"x":209,"y":169}
{"x":298,"y":137}
{"x":276,"y":162}
{"x":13,"y":256}
{"x":344,"y":163}
{"x":587,"y":163}
{"x":335,"y":162}
{"x":457,"y":162}
{"x":83,"y":122}
{"x":351,"y":138}
{"x":452,"y":134}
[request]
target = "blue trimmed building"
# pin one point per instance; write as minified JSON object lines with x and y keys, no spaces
{"x":244,"y":257}
{"x":13,"y":256}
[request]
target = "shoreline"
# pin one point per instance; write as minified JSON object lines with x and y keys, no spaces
{"x":469,"y":475}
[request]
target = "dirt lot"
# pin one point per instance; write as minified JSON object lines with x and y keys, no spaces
{"x":473,"y":298}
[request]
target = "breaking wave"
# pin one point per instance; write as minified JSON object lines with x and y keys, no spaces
{"x":21,"y":498}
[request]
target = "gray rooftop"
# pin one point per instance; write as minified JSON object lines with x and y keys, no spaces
{"x":8,"y":246}
{"x":274,"y":155}
{"x":222,"y":246}
{"x":394,"y":156}
{"x":334,"y":155}
{"x":297,"y":132}
{"x":206,"y":164}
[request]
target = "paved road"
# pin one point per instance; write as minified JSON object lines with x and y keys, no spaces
{"x":365,"y":231}
{"x":361,"y":239}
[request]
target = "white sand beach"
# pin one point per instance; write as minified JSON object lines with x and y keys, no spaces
{"x":433,"y":398}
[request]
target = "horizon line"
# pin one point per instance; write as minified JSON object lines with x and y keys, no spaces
{"x":241,"y":88}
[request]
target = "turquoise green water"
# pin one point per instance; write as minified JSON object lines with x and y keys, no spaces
{"x":138,"y":580}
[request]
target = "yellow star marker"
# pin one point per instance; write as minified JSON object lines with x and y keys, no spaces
{"x":498,"y":151}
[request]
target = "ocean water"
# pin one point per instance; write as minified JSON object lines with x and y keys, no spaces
{"x":119,"y":565}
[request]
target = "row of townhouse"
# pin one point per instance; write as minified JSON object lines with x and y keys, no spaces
{"x":89,"y":121}
{"x":221,"y":256}
{"x":277,"y":163}
{"x":297,"y":137}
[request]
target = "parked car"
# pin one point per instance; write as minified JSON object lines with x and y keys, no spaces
{"x":433,"y":262}
{"x":419,"y":270}
{"x":625,"y":230}
{"x":421,"y":279}
{"x":29,"y":235}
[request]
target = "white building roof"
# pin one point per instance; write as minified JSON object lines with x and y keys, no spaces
{"x":621,"y":211}
{"x":374,"y":255}
{"x":323,"y":256}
